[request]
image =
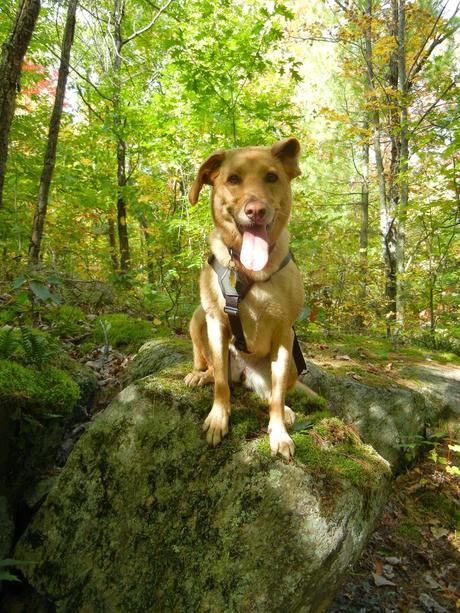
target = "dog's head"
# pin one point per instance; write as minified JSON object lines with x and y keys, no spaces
{"x":251,"y":196}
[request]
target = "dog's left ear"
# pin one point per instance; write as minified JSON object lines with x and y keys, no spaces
{"x":288,"y":152}
{"x":207,"y":173}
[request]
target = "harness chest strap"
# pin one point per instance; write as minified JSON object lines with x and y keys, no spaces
{"x":234,"y":290}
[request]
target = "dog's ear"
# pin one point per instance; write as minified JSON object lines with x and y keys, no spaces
{"x":288,"y":152}
{"x":207,"y":173}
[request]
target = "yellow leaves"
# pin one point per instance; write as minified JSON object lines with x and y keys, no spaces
{"x":383,"y":48}
{"x":333,"y":115}
{"x":145,"y":198}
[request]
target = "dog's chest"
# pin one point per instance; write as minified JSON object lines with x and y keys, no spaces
{"x":268,"y":307}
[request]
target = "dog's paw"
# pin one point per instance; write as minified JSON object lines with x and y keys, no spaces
{"x":216,"y":425}
{"x":198,"y":378}
{"x":289,"y":417}
{"x":280,"y":441}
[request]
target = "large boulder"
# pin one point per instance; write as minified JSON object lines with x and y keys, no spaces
{"x":388,"y":418}
{"x":146,"y":517}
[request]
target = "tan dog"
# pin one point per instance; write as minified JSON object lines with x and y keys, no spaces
{"x":251,"y":204}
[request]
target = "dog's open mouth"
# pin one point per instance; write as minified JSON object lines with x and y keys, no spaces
{"x":254,"y":249}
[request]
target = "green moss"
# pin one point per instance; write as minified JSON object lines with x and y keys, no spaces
{"x":123,"y":330}
{"x":59,"y":392}
{"x":303,"y":402}
{"x":32,"y":388}
{"x":333,"y":449}
{"x":65,"y":320}
{"x":409,"y":530}
{"x":444,"y":508}
{"x":157,"y":354}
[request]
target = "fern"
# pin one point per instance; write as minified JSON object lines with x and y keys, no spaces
{"x":8,"y":342}
{"x":36,"y":348}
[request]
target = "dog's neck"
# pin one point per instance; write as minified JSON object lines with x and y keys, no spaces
{"x":222,"y":251}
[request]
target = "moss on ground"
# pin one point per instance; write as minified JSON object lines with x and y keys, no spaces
{"x":123,"y":330}
{"x":65,"y":320}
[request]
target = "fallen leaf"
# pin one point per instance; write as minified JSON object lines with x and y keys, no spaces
{"x":343,"y":357}
{"x":438,"y":532}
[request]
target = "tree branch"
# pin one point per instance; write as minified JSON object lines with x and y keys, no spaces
{"x":148,"y":26}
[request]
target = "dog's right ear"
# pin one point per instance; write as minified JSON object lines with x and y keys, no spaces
{"x":207,"y":173}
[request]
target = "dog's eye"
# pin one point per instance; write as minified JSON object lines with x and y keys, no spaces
{"x":234,"y":179}
{"x":271,"y":177}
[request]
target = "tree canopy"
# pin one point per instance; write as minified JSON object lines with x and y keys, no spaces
{"x":368,"y":87}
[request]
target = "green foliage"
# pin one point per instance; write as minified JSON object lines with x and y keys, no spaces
{"x":27,"y":345}
{"x":65,"y":320}
{"x":6,"y":575}
{"x":123,"y":330}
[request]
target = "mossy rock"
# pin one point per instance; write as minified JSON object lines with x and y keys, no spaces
{"x":146,"y":517}
{"x":34,"y":389}
{"x":385,"y":417}
{"x":156,"y":354}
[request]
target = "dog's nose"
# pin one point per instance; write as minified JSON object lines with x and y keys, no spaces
{"x":255,"y":211}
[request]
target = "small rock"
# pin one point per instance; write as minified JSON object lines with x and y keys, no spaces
{"x":430,"y":582}
{"x":388,"y":571}
{"x":380,"y":580}
{"x":392,"y":560}
{"x":430,"y":604}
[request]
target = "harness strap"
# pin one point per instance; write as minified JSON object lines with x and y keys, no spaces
{"x":234,"y":286}
{"x":298,"y":356}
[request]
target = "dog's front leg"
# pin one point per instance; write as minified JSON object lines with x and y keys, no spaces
{"x":216,"y":423}
{"x":280,"y":441}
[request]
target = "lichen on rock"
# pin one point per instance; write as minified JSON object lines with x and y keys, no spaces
{"x":146,"y":517}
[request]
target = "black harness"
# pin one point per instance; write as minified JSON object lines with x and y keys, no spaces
{"x":234,"y":285}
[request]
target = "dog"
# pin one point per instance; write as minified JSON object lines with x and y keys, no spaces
{"x":251,"y":205}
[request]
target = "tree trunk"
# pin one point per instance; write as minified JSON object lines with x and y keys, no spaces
{"x":386,"y":221}
{"x":53,"y":134}
{"x":148,"y":251}
{"x":13,"y":51}
{"x":403,"y":166}
{"x":123,"y":238}
{"x":364,"y":229}
{"x":113,"y":243}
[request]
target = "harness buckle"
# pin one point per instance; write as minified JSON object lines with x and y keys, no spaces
{"x":231,"y":310}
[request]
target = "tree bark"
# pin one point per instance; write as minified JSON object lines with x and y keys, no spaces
{"x":123,"y":239}
{"x":13,"y":51}
{"x":403,"y":166}
{"x":148,"y":251}
{"x":112,"y":243}
{"x":53,"y":135}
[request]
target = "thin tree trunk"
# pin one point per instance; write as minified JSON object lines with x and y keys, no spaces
{"x":386,"y":222}
{"x":53,"y":134}
{"x":113,"y":243}
{"x":13,"y":51}
{"x":148,"y":251}
{"x":403,"y":166}
{"x":123,"y":238}
{"x":364,"y":229}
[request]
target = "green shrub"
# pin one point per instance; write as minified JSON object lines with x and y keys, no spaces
{"x":65,"y":320}
{"x":123,"y":330}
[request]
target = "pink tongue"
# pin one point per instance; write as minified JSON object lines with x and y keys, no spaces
{"x":254,"y":250}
